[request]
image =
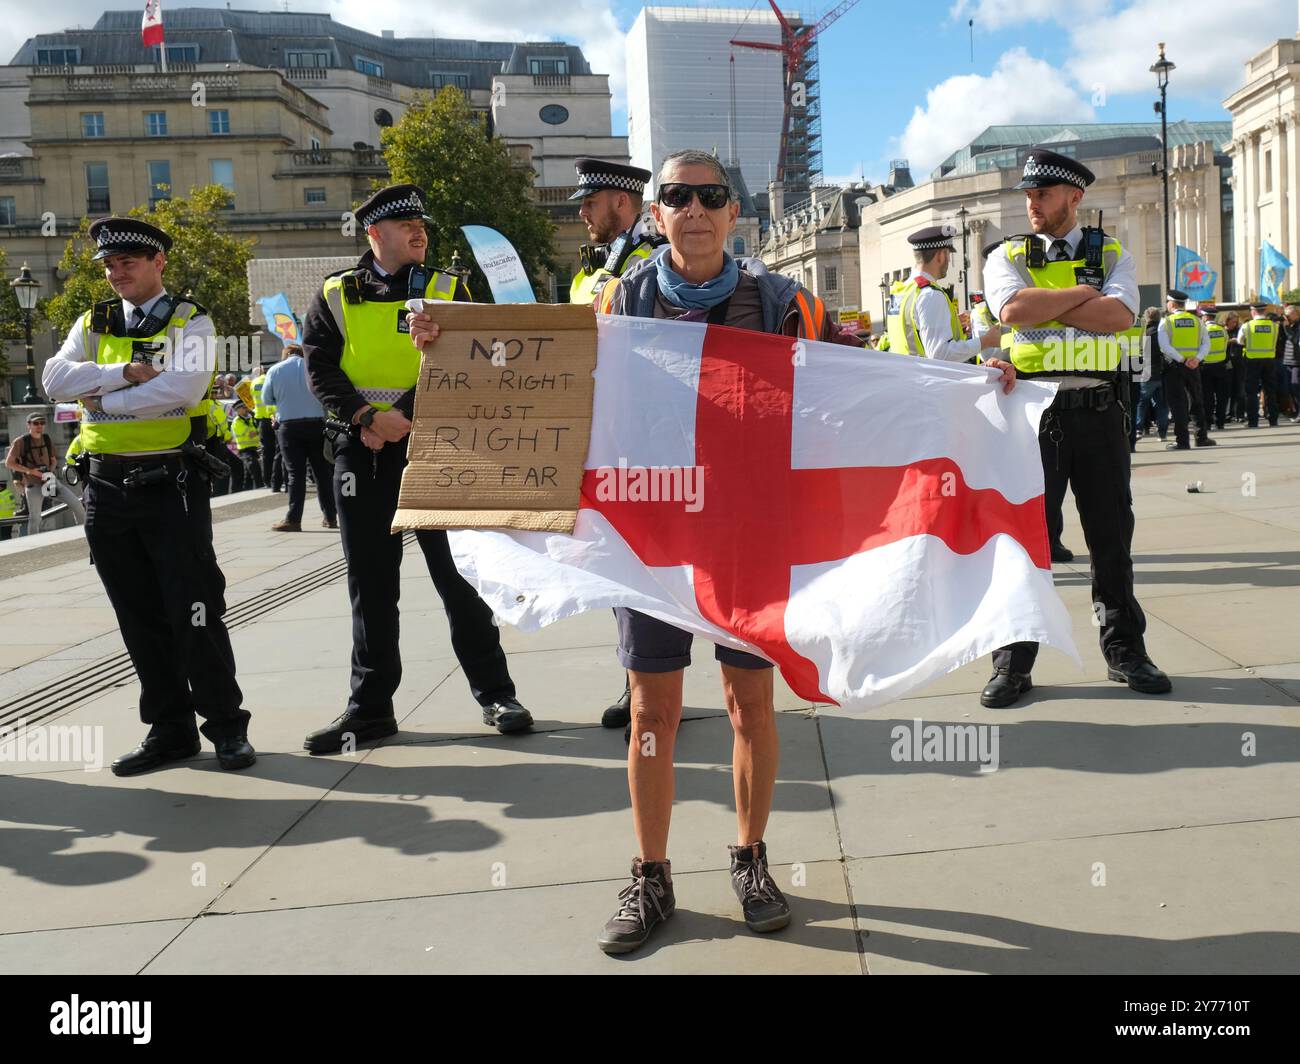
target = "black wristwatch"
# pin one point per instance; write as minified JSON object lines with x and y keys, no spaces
{"x":366,"y":418}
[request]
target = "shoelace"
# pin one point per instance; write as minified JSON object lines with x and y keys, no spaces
{"x":756,"y":881}
{"x":634,"y":895}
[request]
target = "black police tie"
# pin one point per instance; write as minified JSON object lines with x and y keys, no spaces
{"x":1059,"y":250}
{"x":137,"y":317}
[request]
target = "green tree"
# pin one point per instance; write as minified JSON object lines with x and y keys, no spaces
{"x":205,"y":262}
{"x":468,"y":178}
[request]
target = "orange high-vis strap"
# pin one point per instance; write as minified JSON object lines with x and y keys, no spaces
{"x":606,"y":303}
{"x":811,"y":319}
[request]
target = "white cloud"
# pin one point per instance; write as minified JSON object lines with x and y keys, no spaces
{"x":1209,"y":40}
{"x":1021,"y":90}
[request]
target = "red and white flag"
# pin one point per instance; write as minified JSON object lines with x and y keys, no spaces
{"x":151,"y":26}
{"x":866,"y":521}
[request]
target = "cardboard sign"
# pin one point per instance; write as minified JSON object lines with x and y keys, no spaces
{"x":502,"y":418}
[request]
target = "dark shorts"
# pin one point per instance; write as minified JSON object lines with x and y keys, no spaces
{"x":647,"y":644}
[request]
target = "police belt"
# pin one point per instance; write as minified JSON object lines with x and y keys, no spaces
{"x":117,"y":468}
{"x":1099,"y":398}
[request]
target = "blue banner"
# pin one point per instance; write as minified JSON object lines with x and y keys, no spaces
{"x":1272,"y":271}
{"x":280,"y":318}
{"x":499,"y":261}
{"x":1193,"y":275}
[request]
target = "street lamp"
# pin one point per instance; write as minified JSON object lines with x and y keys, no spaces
{"x":965,"y":257}
{"x":1160,"y":68}
{"x":25,"y":287}
{"x":884,"y":304}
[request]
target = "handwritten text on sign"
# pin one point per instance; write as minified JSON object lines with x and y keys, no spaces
{"x":502,"y":418}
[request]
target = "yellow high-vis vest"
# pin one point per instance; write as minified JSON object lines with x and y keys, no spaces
{"x":125,"y":433}
{"x":245,"y":432}
{"x":262,"y":411}
{"x":378,"y":356}
{"x":582,"y":289}
{"x":900,"y":319}
{"x":1218,"y":343}
{"x":1261,"y":338}
{"x":1052,"y":348}
{"x":1185,"y":333}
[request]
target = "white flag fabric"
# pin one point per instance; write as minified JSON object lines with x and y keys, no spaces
{"x":867,"y":521}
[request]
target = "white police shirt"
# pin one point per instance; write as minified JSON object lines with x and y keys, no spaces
{"x":70,"y":374}
{"x":934,"y":326}
{"x":1001,"y":282}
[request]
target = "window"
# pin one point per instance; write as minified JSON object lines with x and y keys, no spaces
{"x":160,"y":181}
{"x":58,"y":56}
{"x":8,"y":212}
{"x":369,"y":66}
{"x":313,"y":195}
{"x":222,"y":172}
{"x":97,"y":188}
{"x":738,"y":246}
{"x":313,"y":143}
{"x":441,"y":81}
{"x":182,"y":53}
{"x":308,"y":59}
{"x":548,"y":66}
{"x":1268,"y":171}
{"x":832,"y":279}
{"x":219,"y":123}
{"x":92,"y":124}
{"x":155,"y":123}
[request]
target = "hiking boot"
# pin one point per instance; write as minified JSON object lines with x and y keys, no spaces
{"x":761,"y":899}
{"x":619,"y":714}
{"x":646,"y":902}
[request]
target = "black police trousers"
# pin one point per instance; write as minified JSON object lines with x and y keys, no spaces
{"x":1183,"y":394}
{"x":272,"y":459}
{"x":1216,"y":388}
{"x":152,"y":546}
{"x":1088,"y":449}
{"x":1261,"y":375}
{"x":366,"y":485}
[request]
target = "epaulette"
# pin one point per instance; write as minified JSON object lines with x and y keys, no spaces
{"x":923,"y":282}
{"x":199,"y":308}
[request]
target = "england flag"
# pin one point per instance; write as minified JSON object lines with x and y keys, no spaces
{"x":866,"y":521}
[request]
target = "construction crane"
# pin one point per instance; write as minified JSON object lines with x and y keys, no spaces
{"x":794,"y":45}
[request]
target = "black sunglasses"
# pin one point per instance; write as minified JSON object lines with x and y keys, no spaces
{"x":711,"y":197}
{"x":37,"y":421}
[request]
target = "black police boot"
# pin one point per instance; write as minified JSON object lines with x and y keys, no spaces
{"x":235,"y":752}
{"x":1178,"y":446}
{"x":1005,"y":688}
{"x":620,"y":713}
{"x":154,"y":752}
{"x":507,"y":715}
{"x":1061,"y":553}
{"x":362,"y":729}
{"x":1205,"y":441}
{"x":1140,"y":673}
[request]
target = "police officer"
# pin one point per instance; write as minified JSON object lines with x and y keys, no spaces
{"x":922,"y":318}
{"x":1258,"y":337}
{"x":981,"y":318}
{"x":1069,"y":295}
{"x":1215,"y":380}
{"x":611,"y":195}
{"x":362,"y":367}
{"x":148,"y":520}
{"x":243,"y":427}
{"x":1184,"y":343}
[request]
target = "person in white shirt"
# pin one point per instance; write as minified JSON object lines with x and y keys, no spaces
{"x":1067,"y":293}
{"x":141,"y":365}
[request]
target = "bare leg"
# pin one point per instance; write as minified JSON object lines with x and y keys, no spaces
{"x":656,"y":713}
{"x":755,"y":750}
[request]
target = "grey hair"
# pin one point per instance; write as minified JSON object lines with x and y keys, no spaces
{"x":694,"y":157}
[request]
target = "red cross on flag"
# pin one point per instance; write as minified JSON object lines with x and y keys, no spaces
{"x":866,"y":521}
{"x":151,"y":26}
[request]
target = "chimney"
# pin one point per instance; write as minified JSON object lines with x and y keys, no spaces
{"x":775,"y":199}
{"x":900,"y":174}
